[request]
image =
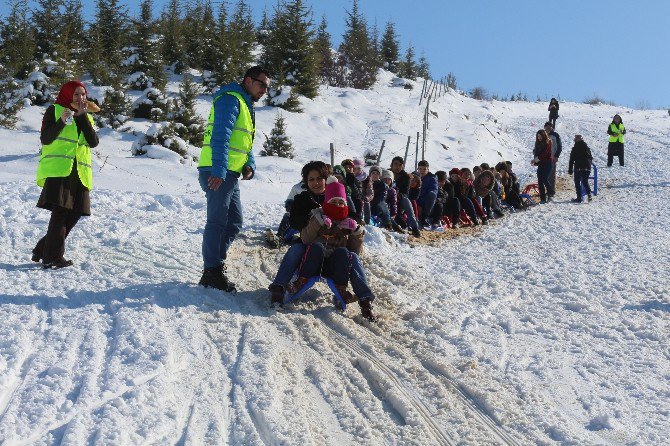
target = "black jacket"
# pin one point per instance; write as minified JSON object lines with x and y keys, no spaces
{"x":580,"y":157}
{"x":302,"y":207}
{"x":402,"y":183}
{"x":354,"y":186}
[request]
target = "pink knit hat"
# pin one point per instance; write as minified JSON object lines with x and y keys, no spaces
{"x":334,"y":189}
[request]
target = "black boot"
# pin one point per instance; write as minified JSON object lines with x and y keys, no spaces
{"x":276,"y":295}
{"x":366,"y":310}
{"x":57,"y":264}
{"x":215,"y":277}
{"x":347,"y":297}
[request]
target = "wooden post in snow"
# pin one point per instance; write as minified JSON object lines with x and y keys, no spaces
{"x":379,"y":157}
{"x":332,"y":154}
{"x":404,"y":161}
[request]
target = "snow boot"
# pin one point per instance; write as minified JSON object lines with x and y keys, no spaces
{"x":346,"y":295}
{"x":416,"y":233}
{"x":276,"y":295}
{"x":36,"y":257}
{"x":590,"y":197}
{"x":297,"y":285}
{"x":366,"y":310}
{"x":57,"y":264}
{"x":215,"y":277}
{"x":576,"y":200}
{"x":271,"y":239}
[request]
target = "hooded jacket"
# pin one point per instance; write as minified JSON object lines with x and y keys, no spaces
{"x":580,"y":157}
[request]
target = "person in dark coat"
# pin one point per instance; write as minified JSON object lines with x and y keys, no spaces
{"x":427,"y":193}
{"x":355,"y":188}
{"x":543,"y":160}
{"x":553,"y":111}
{"x":556,"y":149}
{"x":64,"y":167}
{"x":510,"y":185}
{"x":461,"y":191}
{"x":580,"y":163}
{"x":402,"y":181}
{"x":446,"y":203}
{"x":616,"y":130}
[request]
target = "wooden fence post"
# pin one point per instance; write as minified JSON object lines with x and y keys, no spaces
{"x":409,"y":138}
{"x":379,"y":157}
{"x":332,"y":154}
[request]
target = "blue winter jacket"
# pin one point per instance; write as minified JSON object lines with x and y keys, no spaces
{"x":226,"y":110}
{"x":428,"y":184}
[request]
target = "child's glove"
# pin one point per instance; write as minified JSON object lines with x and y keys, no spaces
{"x":327,"y":221}
{"x":349,"y":224}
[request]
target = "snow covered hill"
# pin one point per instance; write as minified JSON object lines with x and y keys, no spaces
{"x":549,"y":326}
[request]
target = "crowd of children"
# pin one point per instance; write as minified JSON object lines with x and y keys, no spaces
{"x":327,"y":211}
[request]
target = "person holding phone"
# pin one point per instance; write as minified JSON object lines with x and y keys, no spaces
{"x":227,"y":157}
{"x":64,"y":171}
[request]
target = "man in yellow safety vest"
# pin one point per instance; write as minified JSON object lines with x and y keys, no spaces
{"x":227,"y":157}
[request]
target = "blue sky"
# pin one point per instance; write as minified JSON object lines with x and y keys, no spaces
{"x":617,"y":49}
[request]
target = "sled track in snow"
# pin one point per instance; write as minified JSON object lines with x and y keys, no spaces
{"x":474,"y":407}
{"x":421,"y":408}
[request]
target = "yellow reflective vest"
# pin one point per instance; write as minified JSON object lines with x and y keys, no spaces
{"x":57,"y":158}
{"x":619,"y":130}
{"x":241,"y":139}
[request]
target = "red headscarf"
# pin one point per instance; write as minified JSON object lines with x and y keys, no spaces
{"x":66,"y":93}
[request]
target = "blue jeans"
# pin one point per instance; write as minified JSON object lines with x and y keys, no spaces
{"x":294,"y":257}
{"x":426,"y":202}
{"x":404,"y":205}
{"x":543,"y":183}
{"x":224,"y":218}
{"x":289,"y":264}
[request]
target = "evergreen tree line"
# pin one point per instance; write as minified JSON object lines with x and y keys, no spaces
{"x":52,"y":37}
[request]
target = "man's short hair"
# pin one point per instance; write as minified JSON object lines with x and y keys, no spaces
{"x":549,"y":124}
{"x":477,"y":169}
{"x":441,"y":175}
{"x":423,"y":163}
{"x":256,"y":71}
{"x":399,"y":159}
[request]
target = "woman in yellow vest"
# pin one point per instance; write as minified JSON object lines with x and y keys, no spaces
{"x":64,"y":171}
{"x":616,"y":130}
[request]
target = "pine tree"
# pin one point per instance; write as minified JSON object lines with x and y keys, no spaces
{"x":18,"y":42}
{"x":408,"y":67}
{"x":153,"y":104}
{"x":290,"y":52}
{"x":390,"y":52}
{"x":217,"y":68}
{"x":451,"y":81}
{"x":173,"y":38}
{"x":376,"y":47}
{"x":47,"y":19}
{"x":116,"y":108}
{"x":324,"y":53}
{"x":10,"y":104}
{"x":209,"y":52}
{"x":263,"y":31}
{"x":186,"y":122}
{"x":422,"y":68}
{"x":192,"y":34}
{"x":145,"y":63}
{"x":70,"y":47}
{"x":357,"y":52}
{"x":278,"y":144}
{"x":242,"y":39}
{"x":111,"y":20}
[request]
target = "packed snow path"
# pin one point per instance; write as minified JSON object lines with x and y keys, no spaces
{"x":548,"y":327}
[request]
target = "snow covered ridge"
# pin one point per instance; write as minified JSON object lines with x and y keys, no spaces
{"x":548,"y":327}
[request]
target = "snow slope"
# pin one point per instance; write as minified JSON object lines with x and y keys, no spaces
{"x":547,"y":327}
